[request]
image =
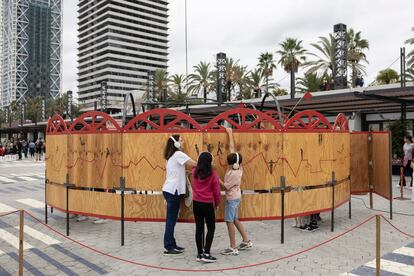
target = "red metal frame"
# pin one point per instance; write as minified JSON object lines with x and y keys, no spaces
{"x":341,"y":122}
{"x":243,"y":126}
{"x":56,"y":125}
{"x":154,"y":121}
{"x":315,"y":122}
{"x":275,"y":115}
{"x":96,"y":126}
{"x":161,"y":114}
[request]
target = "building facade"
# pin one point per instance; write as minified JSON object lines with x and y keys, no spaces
{"x":119,"y":42}
{"x":31,"y":49}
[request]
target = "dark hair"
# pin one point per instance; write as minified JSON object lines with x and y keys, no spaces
{"x":409,"y":138}
{"x":204,"y":168}
{"x":232,"y":158}
{"x":170,"y":149}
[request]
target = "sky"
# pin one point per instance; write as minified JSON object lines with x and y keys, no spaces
{"x":243,"y":29}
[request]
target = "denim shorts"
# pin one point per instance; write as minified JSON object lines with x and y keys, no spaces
{"x":231,"y":209}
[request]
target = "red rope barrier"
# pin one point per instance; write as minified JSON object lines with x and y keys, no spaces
{"x":203,"y":270}
{"x":396,"y":228}
{"x":8,"y":213}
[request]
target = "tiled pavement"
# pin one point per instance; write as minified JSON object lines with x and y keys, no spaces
{"x":51,"y":254}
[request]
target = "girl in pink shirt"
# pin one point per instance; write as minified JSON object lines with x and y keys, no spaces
{"x":206,"y":197}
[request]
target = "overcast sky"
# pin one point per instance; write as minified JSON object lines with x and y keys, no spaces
{"x":243,"y":29}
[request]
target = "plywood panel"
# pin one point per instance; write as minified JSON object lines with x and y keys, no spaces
{"x":262,"y":157}
{"x":56,"y":158}
{"x":98,"y":203}
{"x":299,"y":202}
{"x":342,"y":192}
{"x":359,"y":162}
{"x":308,"y":158}
{"x":144,"y":163}
{"x":95,"y":160}
{"x":56,"y":195}
{"x":381,"y":164}
{"x":341,"y":155}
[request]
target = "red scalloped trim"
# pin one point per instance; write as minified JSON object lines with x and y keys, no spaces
{"x":308,"y":120}
{"x":341,"y":122}
{"x":105,"y":124}
{"x":56,"y":124}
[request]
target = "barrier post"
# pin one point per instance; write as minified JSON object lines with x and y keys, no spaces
{"x":370,"y":170}
{"x":390,"y":150}
{"x":282,"y":222}
{"x":122,"y":184}
{"x":45,"y":201}
{"x":21,"y":232}
{"x":378,"y":244}
{"x":349,"y":209}
{"x":67,"y":204}
{"x":333,"y":202}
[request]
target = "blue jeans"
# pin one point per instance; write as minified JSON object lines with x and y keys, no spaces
{"x":173,"y":206}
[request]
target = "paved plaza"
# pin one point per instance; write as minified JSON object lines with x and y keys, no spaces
{"x":47,"y":253}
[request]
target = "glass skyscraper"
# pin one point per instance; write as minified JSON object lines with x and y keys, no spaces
{"x":31,"y":50}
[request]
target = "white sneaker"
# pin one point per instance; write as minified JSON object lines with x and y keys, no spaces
{"x":230,"y":251}
{"x":81,"y":218}
{"x":100,"y":221}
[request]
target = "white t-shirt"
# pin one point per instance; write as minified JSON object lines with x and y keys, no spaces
{"x":175,"y":173}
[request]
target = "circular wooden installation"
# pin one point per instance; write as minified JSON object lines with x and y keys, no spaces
{"x":95,"y":152}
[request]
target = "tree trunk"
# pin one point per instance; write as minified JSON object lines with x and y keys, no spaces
{"x":267,"y":84}
{"x":205,"y":94}
{"x":292,"y":84}
{"x":353,"y":76}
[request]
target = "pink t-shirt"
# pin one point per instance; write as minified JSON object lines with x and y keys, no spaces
{"x":232,"y":181}
{"x":206,"y":190}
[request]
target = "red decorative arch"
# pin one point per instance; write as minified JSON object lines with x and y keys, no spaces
{"x":56,"y":125}
{"x":98,"y":122}
{"x":341,"y":122}
{"x":308,"y":120}
{"x":275,"y":115}
{"x":162,"y":120}
{"x":250,"y":120}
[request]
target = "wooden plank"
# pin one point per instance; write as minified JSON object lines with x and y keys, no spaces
{"x":381,"y":164}
{"x":95,"y":203}
{"x":307,"y":201}
{"x":342,"y":192}
{"x":359,"y":162}
{"x":95,"y":160}
{"x":56,"y":196}
{"x":56,"y":158}
{"x":262,"y":157}
{"x":341,"y":154}
{"x":308,"y":158}
{"x":143,"y":161}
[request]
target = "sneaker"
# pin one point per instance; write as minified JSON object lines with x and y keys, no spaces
{"x":313,"y":228}
{"x":179,"y":248}
{"x":199,"y":257}
{"x":303,"y":227}
{"x":72,"y":216}
{"x":207,"y":258}
{"x":172,"y":252}
{"x":245,"y":245}
{"x":230,"y":251}
{"x":81,"y":218}
{"x":100,"y":221}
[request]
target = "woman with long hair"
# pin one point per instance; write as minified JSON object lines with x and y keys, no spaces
{"x":173,"y":187}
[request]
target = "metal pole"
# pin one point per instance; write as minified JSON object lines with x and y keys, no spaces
{"x":67,"y":204}
{"x":282,"y":223}
{"x":333,"y":202}
{"x":402,"y":66}
{"x":390,"y":168}
{"x":349,"y":209}
{"x":370,"y":171}
{"x":122,"y":181}
{"x":21,"y":233}
{"x":45,"y":202}
{"x":186,"y":43}
{"x":378,"y":245}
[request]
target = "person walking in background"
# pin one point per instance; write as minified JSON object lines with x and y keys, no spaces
{"x":206,"y":198}
{"x":408,"y":156}
{"x":32,"y":147}
{"x":25,"y":148}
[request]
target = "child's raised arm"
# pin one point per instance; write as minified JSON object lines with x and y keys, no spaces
{"x":231,"y":141}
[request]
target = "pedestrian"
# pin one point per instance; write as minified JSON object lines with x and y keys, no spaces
{"x":19,"y":148}
{"x":174,"y":186}
{"x":206,"y":198}
{"x":232,"y":182}
{"x":32,"y":147}
{"x":25,"y":148}
{"x":408,"y":156}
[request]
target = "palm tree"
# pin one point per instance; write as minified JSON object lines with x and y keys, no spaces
{"x":310,"y":83}
{"x":292,"y":55}
{"x":387,"y":76}
{"x":279,"y":91}
{"x":201,"y":80}
{"x":177,"y":82}
{"x":266,"y":66}
{"x":410,"y":55}
{"x":161,"y":84}
{"x":326,"y":59}
{"x":356,"y":47}
{"x":256,"y":79}
{"x":230,"y":75}
{"x":241,"y":79}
